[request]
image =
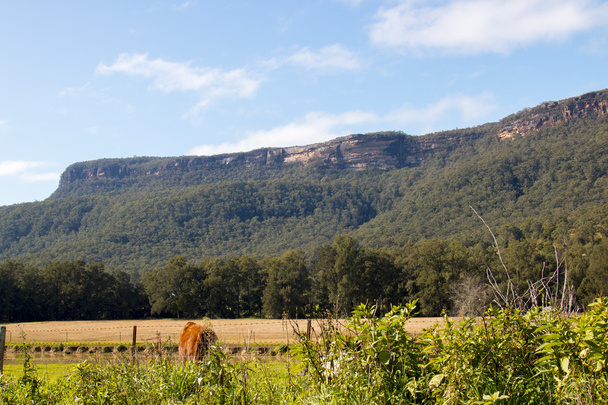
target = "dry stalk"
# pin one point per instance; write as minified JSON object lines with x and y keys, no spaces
{"x":539,"y":292}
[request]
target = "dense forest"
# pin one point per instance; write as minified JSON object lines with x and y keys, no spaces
{"x":440,"y":275}
{"x":552,"y":182}
{"x":245,"y":236}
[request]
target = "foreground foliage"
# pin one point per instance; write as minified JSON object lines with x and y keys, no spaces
{"x":506,"y":356}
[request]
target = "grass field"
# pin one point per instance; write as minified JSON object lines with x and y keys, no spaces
{"x":48,"y":371}
{"x":229,"y":331}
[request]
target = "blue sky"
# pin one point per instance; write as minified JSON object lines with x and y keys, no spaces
{"x":83,"y":80}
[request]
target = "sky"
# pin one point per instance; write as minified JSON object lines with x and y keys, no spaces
{"x":84,"y":80}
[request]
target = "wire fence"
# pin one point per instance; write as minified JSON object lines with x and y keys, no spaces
{"x":74,"y":342}
{"x":228,"y":331}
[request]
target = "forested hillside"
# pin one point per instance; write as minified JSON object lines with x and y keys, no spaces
{"x":539,"y":174}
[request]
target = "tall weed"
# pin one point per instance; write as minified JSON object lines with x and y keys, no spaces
{"x":508,"y":356}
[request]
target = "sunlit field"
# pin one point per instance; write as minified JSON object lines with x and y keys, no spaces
{"x":229,"y":331}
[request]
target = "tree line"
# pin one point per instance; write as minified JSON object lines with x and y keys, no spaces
{"x":67,"y":291}
{"x":440,"y":275}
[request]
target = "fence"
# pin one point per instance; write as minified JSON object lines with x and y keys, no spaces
{"x":2,"y":340}
{"x":69,"y":342}
{"x":235,"y":331}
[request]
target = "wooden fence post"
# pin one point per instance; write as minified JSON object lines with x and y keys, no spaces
{"x":134,"y":348}
{"x":160,"y":347}
{"x":2,"y":340}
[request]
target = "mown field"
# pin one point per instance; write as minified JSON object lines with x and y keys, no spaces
{"x":229,"y":331}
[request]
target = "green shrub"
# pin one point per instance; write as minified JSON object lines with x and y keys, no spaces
{"x":507,"y":356}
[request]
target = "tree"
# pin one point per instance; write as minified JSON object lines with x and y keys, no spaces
{"x":287,"y":285}
{"x":346,"y":275}
{"x":595,"y":282}
{"x":430,"y":268}
{"x":222,"y":286}
{"x":252,"y":287}
{"x":176,"y":289}
{"x":9,"y":295}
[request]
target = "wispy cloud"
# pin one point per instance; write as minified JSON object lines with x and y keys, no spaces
{"x":330,"y":58}
{"x":40,"y":177}
{"x":481,"y":26}
{"x":28,"y":171}
{"x":211,"y":83}
{"x":314,"y":127}
{"x":468,"y":110}
{"x":350,"y":2}
{"x":184,"y":5}
{"x":3,"y":123}
{"x":88,"y":90}
{"x":72,"y":91}
{"x":319,"y":126}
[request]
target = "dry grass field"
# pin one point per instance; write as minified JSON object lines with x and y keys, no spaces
{"x":229,"y":331}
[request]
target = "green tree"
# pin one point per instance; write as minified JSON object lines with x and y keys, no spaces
{"x":595,"y":283}
{"x":287,"y":285}
{"x":222,"y":287}
{"x":431,"y":267}
{"x":176,"y":289}
{"x":346,"y":275}
{"x":251,"y":287}
{"x":9,"y":294}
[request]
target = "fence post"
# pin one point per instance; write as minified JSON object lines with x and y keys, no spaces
{"x":308,"y":328}
{"x":134,"y":348}
{"x":160,"y":347}
{"x":2,"y":340}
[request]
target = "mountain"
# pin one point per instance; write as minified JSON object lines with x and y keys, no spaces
{"x":384,"y":151}
{"x":540,"y":173}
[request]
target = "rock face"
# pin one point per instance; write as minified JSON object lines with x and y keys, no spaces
{"x":383,"y":151}
{"x":550,"y":114}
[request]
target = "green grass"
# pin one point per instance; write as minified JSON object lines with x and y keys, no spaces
{"x":49,"y":372}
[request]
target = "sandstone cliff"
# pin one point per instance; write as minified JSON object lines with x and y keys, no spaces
{"x":550,"y":114}
{"x":382,"y":150}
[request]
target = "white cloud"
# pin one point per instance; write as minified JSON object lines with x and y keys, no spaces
{"x":468,"y":108}
{"x":319,"y":127}
{"x":329,"y":58}
{"x":15,"y":167}
{"x":211,"y":83}
{"x":3,"y":123}
{"x":315,"y":127}
{"x":185,"y":5}
{"x":26,"y":171}
{"x":72,"y":91}
{"x":478,"y":26}
{"x":40,"y":177}
{"x":350,"y":2}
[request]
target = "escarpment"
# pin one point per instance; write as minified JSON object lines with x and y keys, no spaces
{"x":373,"y":151}
{"x":549,"y":114}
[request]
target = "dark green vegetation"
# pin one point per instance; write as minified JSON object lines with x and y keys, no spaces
{"x":341,"y":275}
{"x":135,"y":214}
{"x":507,"y":357}
{"x":67,"y":291}
{"x":254,"y":235}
